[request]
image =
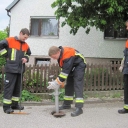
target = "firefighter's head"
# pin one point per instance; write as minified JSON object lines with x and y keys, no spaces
{"x":24,"y":34}
{"x":54,"y":52}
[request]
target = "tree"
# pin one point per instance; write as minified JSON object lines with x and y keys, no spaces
{"x":90,"y":13}
{"x":7,"y":29}
{"x":3,"y":35}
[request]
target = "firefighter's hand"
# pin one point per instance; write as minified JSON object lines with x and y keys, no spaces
{"x":120,"y":68}
{"x":24,"y":60}
{"x":53,"y":85}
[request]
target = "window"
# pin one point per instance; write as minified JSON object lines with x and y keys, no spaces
{"x":42,"y":61}
{"x":110,"y":33}
{"x":47,"y":26}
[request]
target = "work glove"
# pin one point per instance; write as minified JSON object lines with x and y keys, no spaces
{"x":56,"y":84}
{"x":120,"y":68}
{"x":53,"y":85}
{"x":122,"y":65}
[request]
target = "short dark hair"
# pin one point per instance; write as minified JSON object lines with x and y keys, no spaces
{"x":53,"y":50}
{"x":25,"y":31}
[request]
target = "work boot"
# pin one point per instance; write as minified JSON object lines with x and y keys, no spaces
{"x":65,"y":106}
{"x":122,"y":111}
{"x":7,"y":109}
{"x":16,"y":106}
{"x":77,"y":112}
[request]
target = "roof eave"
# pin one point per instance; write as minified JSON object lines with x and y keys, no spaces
{"x":9,"y":7}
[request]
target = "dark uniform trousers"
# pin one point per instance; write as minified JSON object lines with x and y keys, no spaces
{"x":126,"y":89}
{"x":12,"y":85}
{"x":75,"y":83}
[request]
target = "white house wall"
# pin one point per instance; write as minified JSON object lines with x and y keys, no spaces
{"x":91,"y":45}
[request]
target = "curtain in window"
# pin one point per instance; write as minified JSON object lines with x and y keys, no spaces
{"x":49,"y":27}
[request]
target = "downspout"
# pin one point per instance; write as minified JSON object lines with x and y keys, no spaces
{"x":9,"y":22}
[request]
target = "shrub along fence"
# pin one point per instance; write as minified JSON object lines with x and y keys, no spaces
{"x":98,"y":77}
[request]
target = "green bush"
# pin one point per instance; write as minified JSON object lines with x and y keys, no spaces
{"x":34,"y":80}
{"x":2,"y":61}
{"x":61,"y":95}
{"x":27,"y":96}
{"x":3,"y":35}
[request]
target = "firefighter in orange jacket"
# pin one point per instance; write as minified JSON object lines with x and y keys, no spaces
{"x":17,"y":53}
{"x":73,"y":69}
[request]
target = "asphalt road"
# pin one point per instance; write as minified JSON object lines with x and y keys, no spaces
{"x":96,"y":115}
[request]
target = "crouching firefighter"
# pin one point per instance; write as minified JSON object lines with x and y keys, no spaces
{"x":73,"y":66}
{"x":17,"y":52}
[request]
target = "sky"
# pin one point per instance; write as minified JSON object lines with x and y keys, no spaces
{"x":4,"y":18}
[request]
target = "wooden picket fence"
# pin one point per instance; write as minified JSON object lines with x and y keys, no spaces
{"x":98,"y":77}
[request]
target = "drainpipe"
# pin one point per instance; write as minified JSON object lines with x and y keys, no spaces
{"x":9,"y":22}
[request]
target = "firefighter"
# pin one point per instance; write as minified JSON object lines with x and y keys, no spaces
{"x":17,"y":52}
{"x":124,"y":68}
{"x":73,"y":64}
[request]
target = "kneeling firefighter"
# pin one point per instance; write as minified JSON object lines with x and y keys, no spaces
{"x":73,"y":69}
{"x":17,"y":53}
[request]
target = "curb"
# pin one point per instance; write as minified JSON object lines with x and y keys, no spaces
{"x":87,"y":101}
{"x":105,"y":97}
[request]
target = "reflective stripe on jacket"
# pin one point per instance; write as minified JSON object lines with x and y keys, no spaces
{"x":3,"y":51}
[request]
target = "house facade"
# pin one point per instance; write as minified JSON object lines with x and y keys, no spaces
{"x":38,"y":16}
